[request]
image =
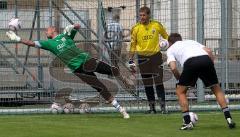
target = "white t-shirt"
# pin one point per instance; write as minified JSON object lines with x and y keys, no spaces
{"x":183,"y":50}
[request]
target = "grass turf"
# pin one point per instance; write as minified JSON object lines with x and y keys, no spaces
{"x":211,"y":124}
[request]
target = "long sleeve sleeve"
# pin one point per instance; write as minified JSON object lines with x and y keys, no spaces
{"x":162,"y":31}
{"x":133,"y":45}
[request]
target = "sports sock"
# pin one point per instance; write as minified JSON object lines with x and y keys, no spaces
{"x":226,"y":112}
{"x":186,"y":117}
{"x":152,"y":106}
{"x":161,"y":93}
{"x":116,"y":104}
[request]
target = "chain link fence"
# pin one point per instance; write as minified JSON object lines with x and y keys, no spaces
{"x":32,"y":79}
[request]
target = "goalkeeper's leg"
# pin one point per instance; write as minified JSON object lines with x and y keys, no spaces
{"x":126,"y":83}
{"x":161,"y":96}
{"x":91,"y":79}
{"x":158,"y":79}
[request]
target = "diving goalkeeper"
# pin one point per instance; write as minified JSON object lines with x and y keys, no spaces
{"x":80,"y":62}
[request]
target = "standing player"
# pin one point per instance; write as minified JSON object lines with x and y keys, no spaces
{"x":80,"y":62}
{"x":145,"y":42}
{"x":197,"y":62}
{"x":114,"y":34}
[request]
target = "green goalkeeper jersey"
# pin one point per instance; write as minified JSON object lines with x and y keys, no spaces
{"x":64,"y":48}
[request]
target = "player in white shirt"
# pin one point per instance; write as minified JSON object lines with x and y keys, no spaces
{"x":197,"y":62}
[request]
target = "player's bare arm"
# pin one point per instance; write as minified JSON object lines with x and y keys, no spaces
{"x":28,"y":42}
{"x":14,"y":37}
{"x":209,"y":52}
{"x":173,"y":67}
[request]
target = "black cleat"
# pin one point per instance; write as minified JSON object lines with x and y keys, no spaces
{"x":187,"y":126}
{"x":163,"y":110}
{"x":231,"y":124}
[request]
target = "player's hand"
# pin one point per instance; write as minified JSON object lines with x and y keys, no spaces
{"x":163,"y":44}
{"x":12,"y":36}
{"x":68,"y":29}
{"x":132,"y":65}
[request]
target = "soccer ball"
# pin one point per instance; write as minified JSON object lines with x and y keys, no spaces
{"x":68,"y":108}
{"x":14,"y":24}
{"x":56,"y":108}
{"x":163,"y":44}
{"x":193,"y":118}
{"x":84,"y":108}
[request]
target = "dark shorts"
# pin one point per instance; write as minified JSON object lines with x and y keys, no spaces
{"x":151,"y":69}
{"x":87,"y":75}
{"x":198,"y":67}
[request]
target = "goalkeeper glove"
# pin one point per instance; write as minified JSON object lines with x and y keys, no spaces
{"x":132,"y":65}
{"x":68,"y":29}
{"x":12,"y":36}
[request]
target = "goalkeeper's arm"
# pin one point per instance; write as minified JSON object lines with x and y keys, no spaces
{"x":28,"y":42}
{"x":68,"y":29}
{"x":71,"y":30}
{"x":13,"y":37}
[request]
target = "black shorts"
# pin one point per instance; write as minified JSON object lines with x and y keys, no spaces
{"x":198,"y":67}
{"x":150,"y":68}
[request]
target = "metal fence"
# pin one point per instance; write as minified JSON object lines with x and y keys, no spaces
{"x":30,"y":80}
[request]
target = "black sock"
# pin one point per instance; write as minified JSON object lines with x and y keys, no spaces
{"x":226,"y":112}
{"x":186,"y":117}
{"x":161,"y":93}
{"x":152,"y":106}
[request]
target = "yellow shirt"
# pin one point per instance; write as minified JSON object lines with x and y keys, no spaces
{"x":145,"y":38}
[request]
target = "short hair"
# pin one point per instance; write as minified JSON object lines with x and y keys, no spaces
{"x":53,"y":27}
{"x":145,"y":9}
{"x":173,"y":37}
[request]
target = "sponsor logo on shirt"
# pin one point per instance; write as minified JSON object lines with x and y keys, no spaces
{"x":60,"y":46}
{"x":147,"y":37}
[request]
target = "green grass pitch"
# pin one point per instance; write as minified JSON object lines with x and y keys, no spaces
{"x":210,"y":124}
